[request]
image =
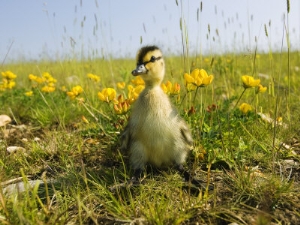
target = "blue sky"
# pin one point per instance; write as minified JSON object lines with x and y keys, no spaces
{"x":60,"y":29}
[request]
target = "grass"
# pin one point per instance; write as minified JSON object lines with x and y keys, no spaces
{"x":79,"y":160}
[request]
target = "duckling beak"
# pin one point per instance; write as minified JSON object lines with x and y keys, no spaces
{"x":140,"y":69}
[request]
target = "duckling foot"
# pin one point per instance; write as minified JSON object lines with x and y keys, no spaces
{"x":189,"y":178}
{"x":137,"y":178}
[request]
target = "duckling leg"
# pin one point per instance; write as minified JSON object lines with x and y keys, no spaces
{"x":138,"y":161}
{"x":187,"y":176}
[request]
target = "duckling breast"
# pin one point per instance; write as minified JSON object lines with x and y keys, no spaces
{"x":154,"y":125}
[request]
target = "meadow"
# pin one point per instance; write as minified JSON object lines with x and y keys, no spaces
{"x":67,"y":117}
{"x":61,"y":120}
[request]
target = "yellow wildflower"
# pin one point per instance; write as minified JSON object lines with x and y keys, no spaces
{"x":45,"y":78}
{"x":107,"y":95}
{"x":8,"y":75}
{"x":170,"y":88}
{"x":29,"y":93}
{"x":198,"y":78}
{"x":75,"y":91}
{"x":134,"y":92}
{"x":36,"y":78}
{"x":93,"y":77}
{"x":206,"y":79}
{"x":84,"y":119}
{"x":51,"y":80}
{"x":46,"y":75}
{"x":176,"y":88}
{"x":7,"y":80}
{"x":71,"y":94}
{"x":245,"y":108}
{"x":51,"y":84}
{"x":188,"y":78}
{"x":48,"y":89}
{"x":120,"y":98}
{"x":121,"y":107}
{"x":261,"y":89}
{"x":40,"y":80}
{"x":32,"y":77}
{"x":10,"y":84}
{"x":249,"y":81}
{"x":7,"y":84}
{"x":138,"y":81}
{"x":164,"y":87}
{"x":63,"y":88}
{"x":121,"y":85}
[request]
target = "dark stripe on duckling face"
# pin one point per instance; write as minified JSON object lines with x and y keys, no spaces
{"x":152,"y":60}
{"x":143,"y":51}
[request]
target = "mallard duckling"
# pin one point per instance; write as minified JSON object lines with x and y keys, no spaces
{"x":155,"y":133}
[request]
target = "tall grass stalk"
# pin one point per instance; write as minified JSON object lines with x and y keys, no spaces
{"x":184,"y":38}
{"x":9,"y":48}
{"x":287,"y":30}
{"x":199,"y":45}
{"x":275,"y":125}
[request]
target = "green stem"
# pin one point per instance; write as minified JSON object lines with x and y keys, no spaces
{"x":180,"y":104}
{"x":195,"y":94}
{"x":240,"y":97}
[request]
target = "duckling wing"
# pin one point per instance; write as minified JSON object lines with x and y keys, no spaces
{"x":185,"y":133}
{"x":184,"y":129}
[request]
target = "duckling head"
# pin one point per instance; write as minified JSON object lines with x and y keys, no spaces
{"x":150,"y":65}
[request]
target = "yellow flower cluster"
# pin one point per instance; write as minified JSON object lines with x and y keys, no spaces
{"x":93,"y":77}
{"x":198,"y":78}
{"x":134,"y":92}
{"x":29,"y":93}
{"x":121,"y":104}
{"x":8,"y":80}
{"x":75,"y":91}
{"x":138,"y":81}
{"x":107,"y":95}
{"x":121,"y":85}
{"x":171,"y":89}
{"x":46,"y":79}
{"x":250,"y":82}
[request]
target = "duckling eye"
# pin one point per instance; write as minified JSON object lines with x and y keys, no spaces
{"x":152,"y":59}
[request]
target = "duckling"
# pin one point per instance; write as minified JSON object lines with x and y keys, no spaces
{"x":155,"y":133}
